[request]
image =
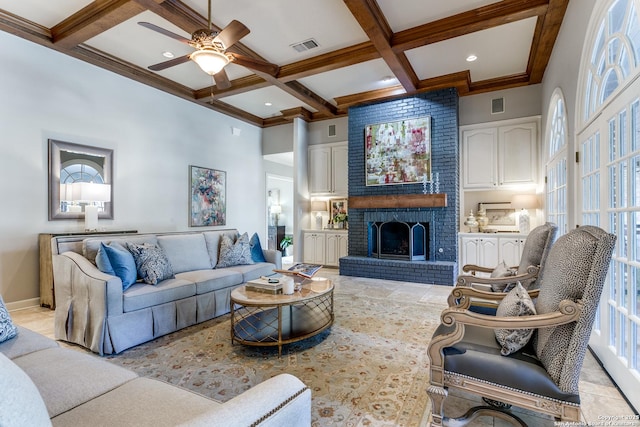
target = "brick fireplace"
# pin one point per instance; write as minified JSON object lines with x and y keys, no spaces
{"x":371,"y":206}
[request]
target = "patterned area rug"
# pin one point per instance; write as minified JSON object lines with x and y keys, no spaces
{"x":369,"y":369}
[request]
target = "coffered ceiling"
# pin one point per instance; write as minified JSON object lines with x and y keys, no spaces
{"x":366,"y":50}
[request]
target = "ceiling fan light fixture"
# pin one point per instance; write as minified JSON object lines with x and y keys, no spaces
{"x":210,"y":60}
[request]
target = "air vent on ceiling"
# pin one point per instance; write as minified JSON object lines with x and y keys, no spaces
{"x":497,"y":106}
{"x":332,"y":130}
{"x":305,"y":45}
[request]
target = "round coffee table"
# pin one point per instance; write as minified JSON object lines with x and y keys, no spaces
{"x":261,"y":319}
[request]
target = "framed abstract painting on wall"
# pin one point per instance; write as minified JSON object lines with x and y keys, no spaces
{"x":398,"y":152}
{"x":208,"y":197}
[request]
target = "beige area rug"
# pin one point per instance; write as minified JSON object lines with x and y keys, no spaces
{"x":369,"y":369}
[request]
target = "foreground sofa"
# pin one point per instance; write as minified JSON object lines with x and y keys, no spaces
{"x":94,"y":311}
{"x":45,"y":384}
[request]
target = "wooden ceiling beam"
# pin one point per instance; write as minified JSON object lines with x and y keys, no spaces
{"x":482,"y":18}
{"x":545,"y":38}
{"x":92,"y":20}
{"x":374,"y":24}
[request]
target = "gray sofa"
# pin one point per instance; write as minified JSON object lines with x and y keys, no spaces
{"x":45,"y":384}
{"x":94,"y":311}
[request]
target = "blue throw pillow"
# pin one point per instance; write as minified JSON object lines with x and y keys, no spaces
{"x":121,"y":263}
{"x":256,"y":249}
{"x":7,"y":329}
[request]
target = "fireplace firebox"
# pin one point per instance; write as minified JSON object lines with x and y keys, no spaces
{"x":399,"y":240}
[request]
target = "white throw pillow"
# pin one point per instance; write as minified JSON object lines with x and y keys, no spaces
{"x":21,"y":404}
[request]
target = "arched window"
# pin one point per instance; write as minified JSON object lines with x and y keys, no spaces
{"x":556,"y":169}
{"x":614,"y":55}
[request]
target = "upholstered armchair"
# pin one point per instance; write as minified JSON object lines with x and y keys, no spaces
{"x":534,"y":254}
{"x":544,"y":343}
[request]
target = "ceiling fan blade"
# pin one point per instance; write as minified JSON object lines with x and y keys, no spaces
{"x":164,"y":32}
{"x":255,"y":64}
{"x":232,"y":33}
{"x":170,"y":63}
{"x":222,"y":79}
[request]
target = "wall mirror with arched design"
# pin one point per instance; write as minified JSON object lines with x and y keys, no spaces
{"x":71,"y":164}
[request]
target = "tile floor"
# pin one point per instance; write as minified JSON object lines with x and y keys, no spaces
{"x":599,"y":395}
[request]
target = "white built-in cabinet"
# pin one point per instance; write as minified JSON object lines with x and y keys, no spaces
{"x":500,"y":155}
{"x":489,"y":250}
{"x":325,"y":247}
{"x":328,"y":169}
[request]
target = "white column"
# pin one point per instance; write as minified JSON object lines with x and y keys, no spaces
{"x":300,"y":185}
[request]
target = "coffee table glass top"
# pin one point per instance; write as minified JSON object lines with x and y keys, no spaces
{"x":311,"y":288}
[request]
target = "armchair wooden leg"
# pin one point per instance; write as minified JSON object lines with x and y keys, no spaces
{"x":437,"y":395}
{"x":480,"y":411}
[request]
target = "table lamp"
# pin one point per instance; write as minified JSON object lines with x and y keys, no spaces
{"x":276,"y":210}
{"x":319,"y":207}
{"x":91,"y":193}
{"x":524,"y":202}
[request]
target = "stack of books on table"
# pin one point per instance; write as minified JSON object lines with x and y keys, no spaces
{"x":265,"y":285}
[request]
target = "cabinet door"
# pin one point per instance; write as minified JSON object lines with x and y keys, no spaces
{"x":320,"y":169}
{"x":511,"y":250}
{"x":518,"y":154}
{"x":479,"y":158}
{"x":469,"y":252}
{"x":314,"y":248}
{"x":332,"y":252}
{"x":489,"y":253}
{"x":343,"y":246}
{"x":340,"y":169}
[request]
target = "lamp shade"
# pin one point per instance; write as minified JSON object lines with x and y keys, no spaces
{"x":525,"y":201}
{"x":91,"y":192}
{"x":319,"y":206}
{"x":276,"y":209}
{"x":210,"y":60}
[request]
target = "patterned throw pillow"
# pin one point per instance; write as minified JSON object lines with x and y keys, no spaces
{"x":256,"y":249}
{"x":516,"y":303}
{"x":151,"y":262}
{"x":7,"y":329}
{"x":237,"y":253}
{"x":502,"y":271}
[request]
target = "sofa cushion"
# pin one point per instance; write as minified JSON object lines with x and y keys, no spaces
{"x":68,"y":378}
{"x":186,"y":252}
{"x":516,"y":303}
{"x":141,"y":402}
{"x":21,"y":403}
{"x":141,"y":295}
{"x":212,"y":280}
{"x":116,"y":260}
{"x":7,"y":329}
{"x":91,"y":245}
{"x":212,"y":238}
{"x":256,"y":249}
{"x":151,"y":262}
{"x":254,"y":271}
{"x":25,"y":342}
{"x":234,"y":253}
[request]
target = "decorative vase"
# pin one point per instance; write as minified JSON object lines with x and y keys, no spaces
{"x":471,"y":222}
{"x":482,"y":219}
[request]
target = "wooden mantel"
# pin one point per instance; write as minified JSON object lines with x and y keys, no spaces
{"x":399,"y":201}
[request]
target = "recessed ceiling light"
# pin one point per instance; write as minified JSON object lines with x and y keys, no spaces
{"x":268,"y":104}
{"x":168,"y":54}
{"x":388,"y":79}
{"x":471,"y":58}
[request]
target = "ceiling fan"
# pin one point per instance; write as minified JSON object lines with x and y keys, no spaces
{"x":211,"y":51}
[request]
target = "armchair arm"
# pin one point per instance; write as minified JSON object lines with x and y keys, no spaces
{"x":460,"y":296}
{"x":473,"y":269}
{"x":455,"y":319}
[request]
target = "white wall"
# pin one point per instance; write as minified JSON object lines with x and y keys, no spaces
{"x":562,"y":72}
{"x":155,"y":137}
{"x":522,"y":101}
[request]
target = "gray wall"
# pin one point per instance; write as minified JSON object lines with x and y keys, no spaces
{"x":519,"y":102}
{"x":155,"y":137}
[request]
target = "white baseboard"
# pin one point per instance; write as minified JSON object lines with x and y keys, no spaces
{"x":25,"y":303}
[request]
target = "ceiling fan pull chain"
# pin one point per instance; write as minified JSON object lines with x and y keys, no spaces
{"x":213,"y":81}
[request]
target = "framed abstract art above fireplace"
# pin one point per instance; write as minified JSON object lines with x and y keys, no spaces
{"x":208,"y":198}
{"x":398,"y":152}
